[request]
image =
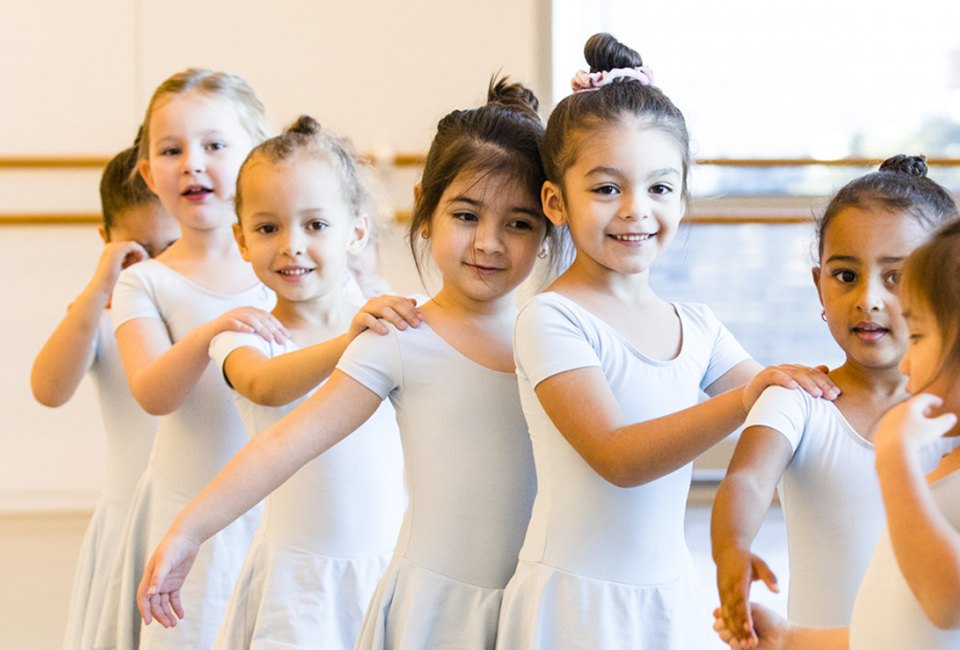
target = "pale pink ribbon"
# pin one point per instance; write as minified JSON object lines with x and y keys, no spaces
{"x":585,"y":81}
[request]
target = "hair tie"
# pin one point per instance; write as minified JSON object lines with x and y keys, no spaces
{"x":585,"y":81}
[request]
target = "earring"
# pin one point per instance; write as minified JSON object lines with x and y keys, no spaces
{"x":823,"y":315}
{"x":542,"y":254}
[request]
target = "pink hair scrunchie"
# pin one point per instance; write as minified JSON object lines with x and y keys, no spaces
{"x":585,"y":81}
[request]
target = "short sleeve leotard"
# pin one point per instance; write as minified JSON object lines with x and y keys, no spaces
{"x":831,"y":503}
{"x":192,"y":444}
{"x":604,"y":566}
{"x":326,"y":534}
{"x":470,"y":482}
{"x":130,"y":431}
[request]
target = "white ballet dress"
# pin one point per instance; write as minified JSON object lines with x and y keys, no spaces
{"x":604,"y":566}
{"x":130,"y":431}
{"x":470,"y":486}
{"x":886,"y":615}
{"x":831,"y":503}
{"x":192,"y":444}
{"x":326,"y":534}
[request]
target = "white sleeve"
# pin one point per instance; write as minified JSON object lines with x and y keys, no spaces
{"x":784,"y":410}
{"x":726,"y":352}
{"x":132,"y":298}
{"x":374,"y":360}
{"x":549,"y":339}
{"x":226,"y":342}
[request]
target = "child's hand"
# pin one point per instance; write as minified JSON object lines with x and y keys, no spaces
{"x":911,"y":425}
{"x":158,"y":596}
{"x":115,"y":257}
{"x":736,"y":571}
{"x":771,"y":628}
{"x":396,"y":310}
{"x":813,"y":380}
{"x":251,"y":320}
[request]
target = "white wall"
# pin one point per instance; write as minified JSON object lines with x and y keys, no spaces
{"x":75,"y":81}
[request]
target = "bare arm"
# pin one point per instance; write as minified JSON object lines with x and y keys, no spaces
{"x":161,"y":373}
{"x":776,"y":633}
{"x":926,"y":546}
{"x":744,"y":496}
{"x":67,"y":354}
{"x":582,"y":406}
{"x":269,"y":459}
{"x":282,"y":379}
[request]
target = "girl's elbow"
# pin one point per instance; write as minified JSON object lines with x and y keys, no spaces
{"x":49,"y":398}
{"x":617,"y":473}
{"x":152,"y":405}
{"x":943,"y":617}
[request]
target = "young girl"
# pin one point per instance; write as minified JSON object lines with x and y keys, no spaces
{"x":609,"y":378}
{"x":199,"y":127}
{"x":467,"y":457}
{"x":910,"y":595}
{"x":135,"y":227}
{"x":314,"y":563}
{"x":821,"y":453}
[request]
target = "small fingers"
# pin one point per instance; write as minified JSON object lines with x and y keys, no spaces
{"x":371,"y":322}
{"x":768,"y":577}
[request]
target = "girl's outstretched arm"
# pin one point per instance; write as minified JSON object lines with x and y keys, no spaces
{"x":161,"y":373}
{"x":67,"y":354}
{"x":926,"y":546}
{"x":776,"y":633}
{"x":584,"y":409}
{"x":744,"y":496}
{"x":282,"y":379}
{"x":269,"y":459}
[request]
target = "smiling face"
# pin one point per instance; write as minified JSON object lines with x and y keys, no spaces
{"x":622,"y":198}
{"x":197,"y":144}
{"x":863,"y":252}
{"x":296,"y":227}
{"x":484,"y":237}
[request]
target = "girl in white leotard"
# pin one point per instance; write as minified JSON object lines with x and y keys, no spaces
{"x":467,"y":456}
{"x":314,"y":562}
{"x":610,"y":376}
{"x":199,"y":127}
{"x":135,"y":228}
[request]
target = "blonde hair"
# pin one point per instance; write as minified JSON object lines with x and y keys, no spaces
{"x":222,"y":84}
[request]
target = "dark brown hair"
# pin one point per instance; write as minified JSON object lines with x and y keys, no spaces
{"x":502,"y":137}
{"x":900,"y":185}
{"x":305,"y":137}
{"x":931,"y":277}
{"x":623,"y":99}
{"x":121,"y":188}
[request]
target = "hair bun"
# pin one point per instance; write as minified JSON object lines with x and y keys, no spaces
{"x":514,"y":96}
{"x":305,"y":125}
{"x":604,"y":52}
{"x":912,"y":165}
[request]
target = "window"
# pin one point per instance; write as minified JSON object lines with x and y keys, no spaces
{"x":822,"y":79}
